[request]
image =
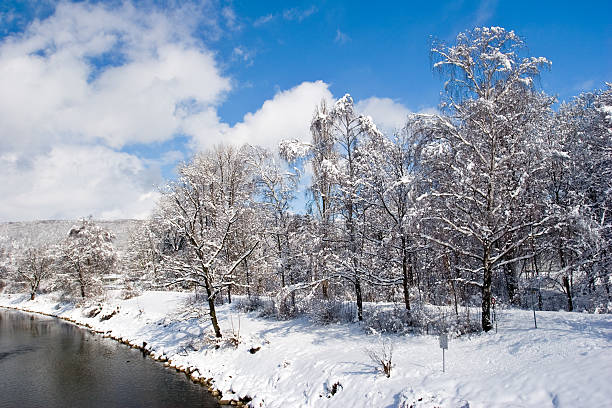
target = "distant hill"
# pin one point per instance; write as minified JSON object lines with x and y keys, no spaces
{"x":54,"y":231}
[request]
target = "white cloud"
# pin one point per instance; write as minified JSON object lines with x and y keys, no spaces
{"x":263,"y":20}
{"x":231,"y":20}
{"x":52,"y":92}
{"x":299,"y":14}
{"x":85,"y":82}
{"x":242,"y":54}
{"x":292,"y":14}
{"x":341,"y":38}
{"x":583,"y":86}
{"x":286,"y":116}
{"x":89,"y":80}
{"x":72,"y":182}
{"x":486,"y":10}
{"x":388,"y":114}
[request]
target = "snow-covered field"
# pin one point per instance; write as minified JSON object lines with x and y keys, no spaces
{"x":565,"y":362}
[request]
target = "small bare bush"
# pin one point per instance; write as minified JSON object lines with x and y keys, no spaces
{"x":234,"y":336}
{"x":230,"y":339}
{"x":249,"y":304}
{"x":331,"y":311}
{"x":382,"y":356}
{"x":129,"y":292}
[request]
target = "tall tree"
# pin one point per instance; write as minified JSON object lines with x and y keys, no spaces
{"x":346,"y":129}
{"x":393,"y":177}
{"x":276,"y":188}
{"x":337,"y":187}
{"x":579,"y":182}
{"x":486,"y":152}
{"x":208,"y":207}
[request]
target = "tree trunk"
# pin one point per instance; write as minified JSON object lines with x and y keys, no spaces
{"x":280,"y":253}
{"x":566,"y":283}
{"x":81,"y":282}
{"x":248,"y":278}
{"x":32,"y":295}
{"x":540,"y":301}
{"x":406,"y":291}
{"x":359,"y":300}
{"x":511,"y":284}
{"x":486,"y":297}
{"x":455,"y":296}
{"x":212,"y":310}
{"x":406,"y":276}
{"x":568,"y":292}
{"x":324,"y":289}
{"x":293,"y":291}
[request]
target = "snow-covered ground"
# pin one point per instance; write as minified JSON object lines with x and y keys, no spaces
{"x":565,"y":362}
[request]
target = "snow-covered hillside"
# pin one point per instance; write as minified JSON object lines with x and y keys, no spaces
{"x":38,"y":233}
{"x":565,"y":362}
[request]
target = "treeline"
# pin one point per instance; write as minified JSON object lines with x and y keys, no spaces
{"x":79,"y":263}
{"x":498,"y":195}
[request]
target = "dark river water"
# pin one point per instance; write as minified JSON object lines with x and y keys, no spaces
{"x":45,"y":362}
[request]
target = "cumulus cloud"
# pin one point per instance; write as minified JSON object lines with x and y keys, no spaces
{"x":56,"y":85}
{"x":82,"y":84}
{"x":76,"y":181}
{"x":286,"y":116}
{"x":388,"y":114}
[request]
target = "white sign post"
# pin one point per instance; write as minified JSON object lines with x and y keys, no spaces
{"x":444,"y":346}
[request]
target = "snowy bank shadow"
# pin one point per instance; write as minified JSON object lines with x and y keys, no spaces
{"x":177,"y":334}
{"x":595,"y":329}
{"x":287,"y":327}
{"x":361,"y":368}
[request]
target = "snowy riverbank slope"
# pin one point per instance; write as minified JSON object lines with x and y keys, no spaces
{"x":566,"y":362}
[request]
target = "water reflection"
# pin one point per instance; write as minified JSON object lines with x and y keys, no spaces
{"x":45,"y":362}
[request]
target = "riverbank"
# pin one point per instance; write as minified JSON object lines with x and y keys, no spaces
{"x":566,"y":362}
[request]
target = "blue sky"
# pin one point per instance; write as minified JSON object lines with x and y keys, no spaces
{"x":383,"y":50}
{"x":101,"y":99}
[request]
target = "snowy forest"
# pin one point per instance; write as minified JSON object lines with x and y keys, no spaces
{"x":500,"y":199}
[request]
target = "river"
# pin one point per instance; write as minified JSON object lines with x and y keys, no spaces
{"x":45,"y":362}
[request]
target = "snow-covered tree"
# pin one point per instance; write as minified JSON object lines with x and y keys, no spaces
{"x":579,"y":185}
{"x":35,"y":265}
{"x":486,"y":152}
{"x":208,"y":209}
{"x":143,"y":254}
{"x":341,"y":176}
{"x":393,"y":179}
{"x":86,"y":255}
{"x":276,"y":189}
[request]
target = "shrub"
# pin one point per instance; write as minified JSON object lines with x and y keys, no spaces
{"x":382,"y":356}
